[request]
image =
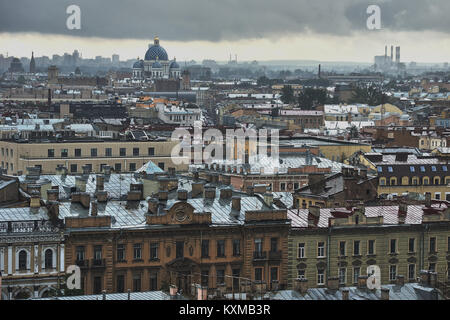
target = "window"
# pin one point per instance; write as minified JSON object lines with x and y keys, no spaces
{"x":301,"y":274}
{"x":205,"y":248}
{"x":444,"y":168}
{"x":108,"y":152}
{"x":161,"y":165}
{"x":390,"y":169}
{"x":356,"y":251}
{"x":48,"y":259}
{"x":123,"y":152}
{"x":153,"y":281}
{"x":236,"y":247}
{"x":205,"y":278}
{"x":380,"y":169}
{"x":356,"y":273}
{"x":93,"y":152}
{"x":80,"y":253}
{"x":301,"y":250}
{"x":411,"y":272}
{"x":135,"y":152}
{"x":132,"y":166}
{"x":432,"y":244}
{"x":342,"y":248}
{"x":258,"y":245}
{"x":137,"y":251}
{"x":426,"y":181}
{"x":412,"y":245}
{"x":151,"y":151}
{"x":23,"y":260}
{"x":73,"y":168}
{"x":220,"y":276}
{"x":321,"y":249}
{"x":342,"y":274}
{"x":97,"y":285}
{"x":371,"y":247}
{"x":258,"y":274}
{"x":412,"y":169}
{"x":137,"y":282}
{"x":274,"y":244}
{"x":221,"y":248}
{"x":118,"y":167}
{"x":393,"y":246}
{"x":392,"y":272}
{"x":320,"y":276}
{"x":64,"y":153}
{"x":154,"y":246}
{"x":50,"y":153}
{"x":282,"y":186}
{"x":296,"y":185}
{"x":432,"y":267}
{"x":97,"y":252}
{"x":120,"y":252}
{"x":179,"y":249}
{"x":120,"y":283}
{"x":433,"y":168}
{"x":274,"y":274}
{"x":422,"y":169}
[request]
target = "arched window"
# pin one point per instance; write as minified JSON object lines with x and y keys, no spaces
{"x":48,"y":259}
{"x":437,"y":181}
{"x":22,"y":260}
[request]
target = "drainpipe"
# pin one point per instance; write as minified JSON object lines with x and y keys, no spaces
{"x":422,"y":246}
{"x":328,"y":251}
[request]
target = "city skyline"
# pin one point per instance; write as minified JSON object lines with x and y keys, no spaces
{"x":283,"y":31}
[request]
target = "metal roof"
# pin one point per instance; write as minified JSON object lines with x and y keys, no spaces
{"x":149,"y":295}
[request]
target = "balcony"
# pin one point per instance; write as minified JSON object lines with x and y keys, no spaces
{"x":98,"y":263}
{"x":275,"y":255}
{"x":259,"y":255}
{"x":82,"y":263}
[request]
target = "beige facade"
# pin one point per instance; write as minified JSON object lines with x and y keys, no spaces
{"x":123,"y":156}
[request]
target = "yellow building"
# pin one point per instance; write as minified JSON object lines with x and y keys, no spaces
{"x":399,"y":240}
{"x":123,"y":156}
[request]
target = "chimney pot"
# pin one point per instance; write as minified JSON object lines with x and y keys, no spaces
{"x":236,"y":203}
{"x":385,"y":293}
{"x":400,"y":280}
{"x":182,"y":194}
{"x":345,"y":294}
{"x":301,"y":285}
{"x":94,"y":208}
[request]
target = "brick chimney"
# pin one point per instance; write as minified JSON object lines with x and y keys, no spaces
{"x":301,"y":285}
{"x":362,"y":282}
{"x":195,"y":175}
{"x":226,"y":179}
{"x":250,"y":190}
{"x":172,"y":172}
{"x":268,"y":199}
{"x":400,"y":280}
{"x":210,"y":192}
{"x":53,"y":209}
{"x":236,"y":203}
{"x":385,"y":293}
{"x":94,"y":208}
{"x":333,"y":283}
{"x":102,"y":196}
{"x":152,"y":206}
{"x":52,"y":195}
{"x":345,"y":294}
{"x":182,"y":194}
{"x":80,"y":183}
{"x":197,"y":189}
{"x":35,"y":199}
{"x":163,"y":195}
{"x":100,"y":182}
{"x":428,"y":199}
{"x":226,"y":193}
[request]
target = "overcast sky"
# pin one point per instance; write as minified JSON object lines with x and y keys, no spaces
{"x":329,"y":30}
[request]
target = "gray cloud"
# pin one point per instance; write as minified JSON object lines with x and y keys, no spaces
{"x":216,"y":20}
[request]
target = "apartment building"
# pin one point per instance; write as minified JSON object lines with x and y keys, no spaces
{"x":120,"y":155}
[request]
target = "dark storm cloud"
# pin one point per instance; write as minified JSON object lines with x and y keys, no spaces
{"x":217,"y":20}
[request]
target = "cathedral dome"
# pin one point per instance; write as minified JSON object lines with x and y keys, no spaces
{"x":138,"y":65}
{"x":174,"y":65}
{"x":156,"y":51}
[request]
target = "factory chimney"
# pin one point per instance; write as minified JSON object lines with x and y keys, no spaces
{"x":397,"y":54}
{"x":392,"y":53}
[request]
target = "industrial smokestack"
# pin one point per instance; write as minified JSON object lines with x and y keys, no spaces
{"x":385,"y":51}
{"x":392,"y":53}
{"x":397,"y":55}
{"x":319,"y":72}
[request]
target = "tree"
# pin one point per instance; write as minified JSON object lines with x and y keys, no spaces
{"x":354,"y":132}
{"x":287,"y":94}
{"x":368,"y":95}
{"x":310,"y":97}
